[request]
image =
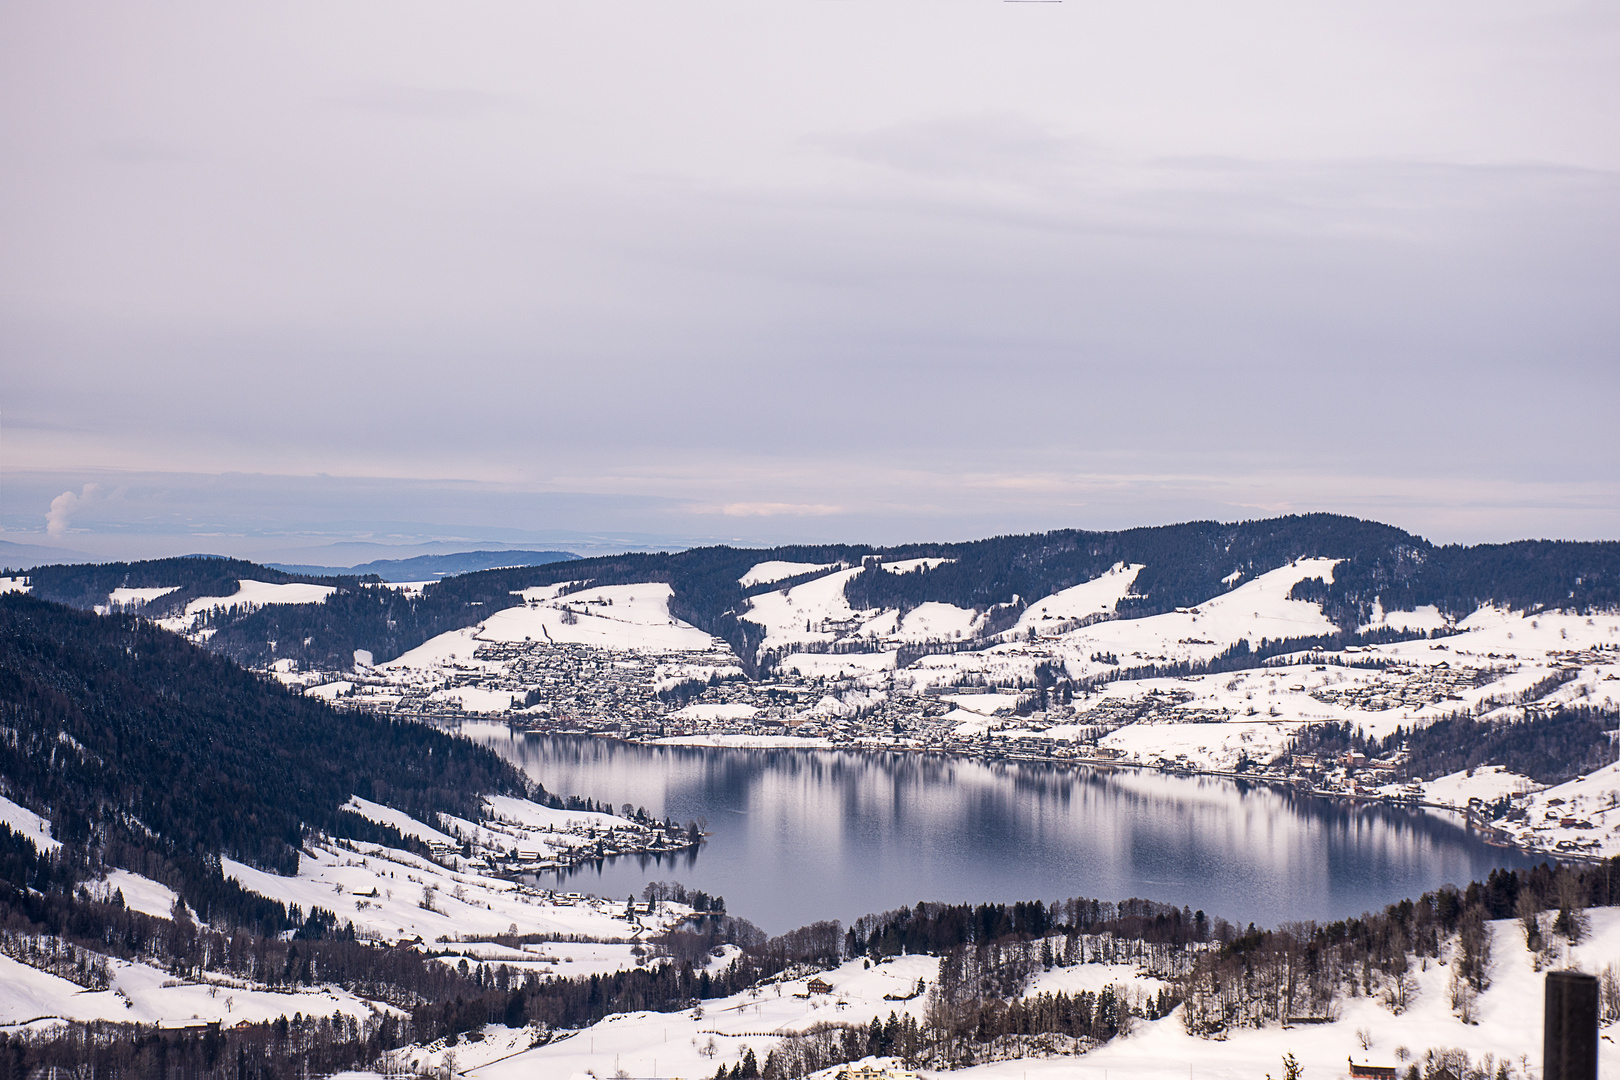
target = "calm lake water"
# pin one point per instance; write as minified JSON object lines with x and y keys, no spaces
{"x":800,"y":835}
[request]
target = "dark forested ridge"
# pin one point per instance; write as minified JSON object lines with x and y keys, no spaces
{"x":1183,"y":564}
{"x":86,"y":585}
{"x":139,"y":745}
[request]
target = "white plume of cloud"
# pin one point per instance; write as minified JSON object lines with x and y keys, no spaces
{"x":60,"y":515}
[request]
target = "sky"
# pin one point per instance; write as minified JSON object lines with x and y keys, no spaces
{"x":610,"y":273}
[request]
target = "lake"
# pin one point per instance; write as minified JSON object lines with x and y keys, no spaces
{"x":801,"y":835}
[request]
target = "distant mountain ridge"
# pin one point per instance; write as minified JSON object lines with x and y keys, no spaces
{"x":24,"y":556}
{"x":429,"y":567}
{"x":1182,"y":566}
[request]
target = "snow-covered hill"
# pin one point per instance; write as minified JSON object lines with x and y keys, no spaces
{"x":389,"y":896}
{"x":1506,"y":1027}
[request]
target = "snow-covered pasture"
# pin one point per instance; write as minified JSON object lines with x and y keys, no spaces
{"x":632,"y":618}
{"x":1507,"y":1025}
{"x":817,"y":612}
{"x":777,"y":570}
{"x":140,"y":993}
{"x":392,"y":895}
{"x":254,"y":594}
{"x":125,"y":597}
{"x":25,"y":823}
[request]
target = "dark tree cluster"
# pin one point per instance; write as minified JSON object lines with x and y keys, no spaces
{"x":86,"y":585}
{"x":1549,"y":748}
{"x":936,"y":928}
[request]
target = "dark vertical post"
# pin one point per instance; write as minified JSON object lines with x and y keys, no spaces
{"x":1570,"y":1028}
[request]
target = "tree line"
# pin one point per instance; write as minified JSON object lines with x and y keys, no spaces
{"x":1549,"y":748}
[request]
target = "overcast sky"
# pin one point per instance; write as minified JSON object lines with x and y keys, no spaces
{"x":279,"y":275}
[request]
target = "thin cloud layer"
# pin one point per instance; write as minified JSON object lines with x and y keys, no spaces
{"x":749,"y":263}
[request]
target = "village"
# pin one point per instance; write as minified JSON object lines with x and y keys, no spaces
{"x":699,"y":698}
{"x":1183,"y":692}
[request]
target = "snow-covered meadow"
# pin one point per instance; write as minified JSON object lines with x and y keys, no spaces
{"x":389,"y":895}
{"x":1507,"y":1025}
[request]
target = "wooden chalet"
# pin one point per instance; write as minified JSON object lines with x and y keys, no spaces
{"x":1372,"y":1072}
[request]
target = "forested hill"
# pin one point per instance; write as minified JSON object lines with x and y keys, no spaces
{"x":87,"y":585}
{"x":1183,"y":565}
{"x":162,"y":756}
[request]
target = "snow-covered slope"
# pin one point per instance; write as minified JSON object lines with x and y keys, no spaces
{"x":611,"y":621}
{"x":123,"y":597}
{"x":249,"y":596}
{"x":1090,"y":599}
{"x":140,"y":893}
{"x":25,"y":823}
{"x":253,"y":594}
{"x":817,"y":613}
{"x":776,"y":570}
{"x":398,"y":820}
{"x":1253,"y":611}
{"x":1508,"y":1027}
{"x":148,"y":995}
{"x":626,"y":618}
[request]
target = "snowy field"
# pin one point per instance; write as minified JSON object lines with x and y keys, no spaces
{"x":1508,"y":1027}
{"x":777,"y":570}
{"x":390,"y":895}
{"x":127,"y":598}
{"x":144,"y":994}
{"x":685,"y":1044}
{"x":249,"y":595}
{"x":26,"y":823}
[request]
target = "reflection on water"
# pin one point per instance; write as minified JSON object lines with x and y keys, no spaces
{"x":803,"y":835}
